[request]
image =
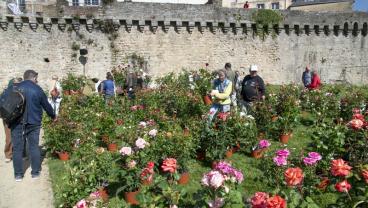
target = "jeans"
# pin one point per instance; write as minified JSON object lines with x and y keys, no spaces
{"x":245,"y":107}
{"x":216,"y":107}
{"x":20,"y":133}
{"x":108,"y":99}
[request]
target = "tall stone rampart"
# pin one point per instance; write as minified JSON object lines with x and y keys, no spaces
{"x":174,"y":37}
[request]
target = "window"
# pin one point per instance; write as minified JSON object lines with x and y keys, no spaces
{"x":275,"y":5}
{"x":75,"y":2}
{"x":260,"y":6}
{"x":22,"y":5}
{"x":91,"y":2}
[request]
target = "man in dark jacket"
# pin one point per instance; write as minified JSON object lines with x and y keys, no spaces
{"x":28,"y":128}
{"x":253,"y":88}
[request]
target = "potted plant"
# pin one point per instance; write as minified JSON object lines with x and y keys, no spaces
{"x":204,"y":85}
{"x":288,"y":110}
{"x":72,"y":84}
{"x":60,"y":139}
{"x":260,"y":148}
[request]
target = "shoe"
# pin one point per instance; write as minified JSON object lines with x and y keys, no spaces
{"x":8,"y":160}
{"x":18,"y":178}
{"x":35,"y":177}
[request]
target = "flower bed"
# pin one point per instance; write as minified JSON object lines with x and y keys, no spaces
{"x":159,"y":134}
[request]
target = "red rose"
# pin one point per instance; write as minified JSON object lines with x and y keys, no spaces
{"x":365,"y":175}
{"x":147,"y":175}
{"x":356,"y":124}
{"x":276,"y":202}
{"x":358,"y":116}
{"x":343,"y":186}
{"x":169,"y":165}
{"x":293,"y":176}
{"x":356,"y":110}
{"x":259,"y":200}
{"x":150,"y":165}
{"x":340,"y":168}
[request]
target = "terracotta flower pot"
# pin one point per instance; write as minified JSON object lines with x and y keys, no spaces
{"x":64,"y":156}
{"x":130,"y":197}
{"x":184,"y":178}
{"x":207,"y":100}
{"x":229,"y":153}
{"x":112,"y":147}
{"x":103,"y":193}
{"x":257,"y":153}
{"x":284,"y":138}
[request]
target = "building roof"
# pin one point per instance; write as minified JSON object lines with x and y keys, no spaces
{"x":313,"y":2}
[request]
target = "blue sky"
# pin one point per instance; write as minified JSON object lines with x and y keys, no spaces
{"x":361,"y":5}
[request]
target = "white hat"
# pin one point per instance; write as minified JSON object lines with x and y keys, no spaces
{"x":253,"y":68}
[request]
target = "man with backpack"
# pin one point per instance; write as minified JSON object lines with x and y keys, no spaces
{"x":29,"y":125}
{"x":253,"y":88}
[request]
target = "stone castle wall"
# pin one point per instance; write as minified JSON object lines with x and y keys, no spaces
{"x":175,"y":37}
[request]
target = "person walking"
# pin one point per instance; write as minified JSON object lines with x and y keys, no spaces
{"x":307,"y":77}
{"x":55,"y":92}
{"x":230,"y":75}
{"x":108,"y":88}
{"x":222,"y":89}
{"x":253,"y":89}
{"x":28,"y":128}
{"x":8,"y":149}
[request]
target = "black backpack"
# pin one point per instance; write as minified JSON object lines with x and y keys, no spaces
{"x":12,"y":106}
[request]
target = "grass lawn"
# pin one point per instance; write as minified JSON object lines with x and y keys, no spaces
{"x":251,"y":168}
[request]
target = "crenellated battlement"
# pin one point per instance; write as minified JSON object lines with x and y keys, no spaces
{"x":171,"y":37}
{"x":186,"y":18}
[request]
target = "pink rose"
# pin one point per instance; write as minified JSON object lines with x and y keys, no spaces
{"x":315,"y":155}
{"x":152,"y":133}
{"x":283,"y":153}
{"x":264,"y":143}
{"x":217,"y":203}
{"x":95,"y":195}
{"x":140,"y":143}
{"x":82,"y":204}
{"x":259,"y":200}
{"x":126,"y":151}
{"x":280,"y":160}
{"x":132,"y":164}
{"x":213,"y":179}
{"x":309,"y":161}
{"x":142,"y":124}
{"x":169,"y":165}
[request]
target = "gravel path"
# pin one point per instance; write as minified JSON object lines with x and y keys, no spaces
{"x":29,"y":193}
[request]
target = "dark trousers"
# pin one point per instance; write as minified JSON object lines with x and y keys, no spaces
{"x":20,"y":134}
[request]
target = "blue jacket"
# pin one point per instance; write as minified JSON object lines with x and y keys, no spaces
{"x":108,"y":87}
{"x":36,"y":100}
{"x":307,"y":78}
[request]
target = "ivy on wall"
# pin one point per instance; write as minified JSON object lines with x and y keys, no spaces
{"x":265,"y":18}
